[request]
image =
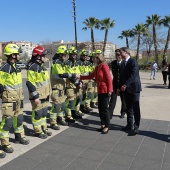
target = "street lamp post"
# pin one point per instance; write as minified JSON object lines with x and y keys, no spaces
{"x":75,"y":26}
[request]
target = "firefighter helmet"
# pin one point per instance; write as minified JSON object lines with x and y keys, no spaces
{"x":83,"y":52}
{"x":92,"y":54}
{"x":62,"y":50}
{"x":98,"y":52}
{"x":39,"y":50}
{"x":72,"y":50}
{"x":12,"y":49}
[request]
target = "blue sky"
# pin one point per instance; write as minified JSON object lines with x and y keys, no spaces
{"x":51,"y":20}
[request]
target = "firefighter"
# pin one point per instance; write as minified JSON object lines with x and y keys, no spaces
{"x":11,"y":93}
{"x":58,"y":96}
{"x":92,"y":85}
{"x":39,"y":88}
{"x":73,"y":86}
{"x":84,"y":70}
{"x":95,"y":99}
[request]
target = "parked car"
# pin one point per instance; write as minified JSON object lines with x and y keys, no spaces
{"x":21,"y":65}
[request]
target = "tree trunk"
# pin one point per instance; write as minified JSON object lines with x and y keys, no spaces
{"x":137,"y":53}
{"x":127,"y":43}
{"x":92,"y":40}
{"x":167,"y":42}
{"x":105,"y":40}
{"x":155,"y":44}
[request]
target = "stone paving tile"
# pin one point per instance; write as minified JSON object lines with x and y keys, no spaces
{"x":166,"y":158}
{"x":102,"y":146}
{"x":83,"y":164}
{"x":20,"y":163}
{"x":93,"y":155}
{"x":145,"y":123}
{"x":118,"y":159}
{"x":70,"y":150}
{"x":146,"y":153}
{"x":108,"y":166}
{"x":159,"y":125}
{"x":139,"y":164}
{"x":54,"y":162}
{"x":43,"y":151}
{"x":129,"y":149}
{"x":166,"y":166}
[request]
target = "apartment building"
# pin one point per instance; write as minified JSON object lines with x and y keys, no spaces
{"x":27,"y":48}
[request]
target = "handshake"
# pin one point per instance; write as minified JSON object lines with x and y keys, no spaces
{"x":77,"y":76}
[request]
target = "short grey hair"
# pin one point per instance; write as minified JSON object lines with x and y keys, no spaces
{"x":126,"y":49}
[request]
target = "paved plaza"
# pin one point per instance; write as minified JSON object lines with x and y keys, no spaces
{"x":81,"y":147}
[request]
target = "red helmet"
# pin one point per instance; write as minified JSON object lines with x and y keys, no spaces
{"x":39,"y":50}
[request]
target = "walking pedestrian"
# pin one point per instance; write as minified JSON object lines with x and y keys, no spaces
{"x":154,"y":68}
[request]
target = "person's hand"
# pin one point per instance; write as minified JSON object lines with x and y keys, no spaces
{"x":77,"y":76}
{"x":80,"y":85}
{"x":37,"y":101}
{"x":123,"y":88}
{"x":118,"y":92}
{"x":109,"y":94}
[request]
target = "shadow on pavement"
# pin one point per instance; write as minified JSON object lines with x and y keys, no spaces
{"x":155,"y":135}
{"x":158,"y":86}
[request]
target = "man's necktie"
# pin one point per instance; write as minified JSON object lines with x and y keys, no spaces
{"x":124,"y":64}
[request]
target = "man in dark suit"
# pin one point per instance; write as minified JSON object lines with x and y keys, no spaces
{"x":115,"y":68}
{"x":131,"y":86}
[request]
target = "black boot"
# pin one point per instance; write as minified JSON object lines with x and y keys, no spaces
{"x":21,"y":140}
{"x":41,"y":135}
{"x":88,"y":108}
{"x":92,"y":105}
{"x":61,"y":121}
{"x":7,"y":148}
{"x":82,"y":109}
{"x":75,"y":115}
{"x":47,"y":132}
{"x":70,"y":120}
{"x":2,"y":154}
{"x":55,"y":127}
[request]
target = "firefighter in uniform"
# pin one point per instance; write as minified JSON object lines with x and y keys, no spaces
{"x":58,"y":75}
{"x":92,"y":85}
{"x":73,"y":85}
{"x":11,"y":93}
{"x":39,"y":88}
{"x":84,"y":70}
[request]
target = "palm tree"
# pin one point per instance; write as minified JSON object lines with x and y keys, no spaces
{"x":91,"y":23}
{"x":166,"y":22}
{"x":154,"y":20}
{"x":106,"y":24}
{"x":147,"y":41}
{"x":127,"y":34}
{"x":140,"y":29}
